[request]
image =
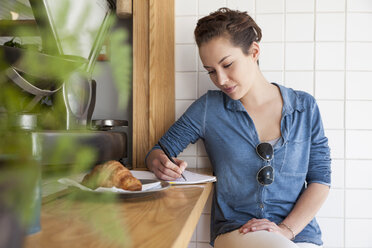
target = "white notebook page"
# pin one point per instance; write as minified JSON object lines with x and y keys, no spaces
{"x":191,"y":177}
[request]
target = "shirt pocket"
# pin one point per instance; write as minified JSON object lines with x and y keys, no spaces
{"x":297,"y":157}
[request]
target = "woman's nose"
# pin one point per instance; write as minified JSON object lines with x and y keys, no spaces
{"x":222,"y":78}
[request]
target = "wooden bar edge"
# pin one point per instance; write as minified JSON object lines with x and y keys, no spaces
{"x":190,"y":225}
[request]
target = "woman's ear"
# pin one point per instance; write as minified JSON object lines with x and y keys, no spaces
{"x":254,"y":50}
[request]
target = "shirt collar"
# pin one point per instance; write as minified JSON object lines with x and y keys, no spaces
{"x":291,"y":101}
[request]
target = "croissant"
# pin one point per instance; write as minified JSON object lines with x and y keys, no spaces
{"x":111,"y":174}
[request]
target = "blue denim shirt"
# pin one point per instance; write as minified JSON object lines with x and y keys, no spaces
{"x":301,"y":157}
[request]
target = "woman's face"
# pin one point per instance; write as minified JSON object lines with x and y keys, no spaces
{"x":229,"y":68}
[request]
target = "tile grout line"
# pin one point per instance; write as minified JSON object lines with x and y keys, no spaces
{"x":309,"y":12}
{"x":197,"y":96}
{"x":314,"y":50}
{"x":345,"y":67}
{"x":255,"y":10}
{"x":284,"y":77}
{"x":296,"y":41}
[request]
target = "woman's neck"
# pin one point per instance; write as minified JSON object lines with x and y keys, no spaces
{"x":260,"y":92}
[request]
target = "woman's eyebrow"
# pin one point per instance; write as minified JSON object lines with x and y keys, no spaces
{"x":206,"y":66}
{"x":223,"y":59}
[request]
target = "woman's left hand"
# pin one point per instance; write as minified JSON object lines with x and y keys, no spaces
{"x":264,"y":224}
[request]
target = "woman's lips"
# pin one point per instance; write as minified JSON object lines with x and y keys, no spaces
{"x":229,"y":89}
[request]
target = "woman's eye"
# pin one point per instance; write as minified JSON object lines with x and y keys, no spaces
{"x":227,"y":66}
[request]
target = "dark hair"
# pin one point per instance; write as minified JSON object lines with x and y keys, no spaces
{"x":235,"y":25}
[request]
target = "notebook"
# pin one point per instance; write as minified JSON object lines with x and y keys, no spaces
{"x":191,"y":177}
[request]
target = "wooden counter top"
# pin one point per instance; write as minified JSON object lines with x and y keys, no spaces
{"x":162,"y":219}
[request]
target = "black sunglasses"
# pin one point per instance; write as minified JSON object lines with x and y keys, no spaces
{"x":265,"y":176}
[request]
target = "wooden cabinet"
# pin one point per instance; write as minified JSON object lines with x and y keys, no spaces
{"x":153,"y":74}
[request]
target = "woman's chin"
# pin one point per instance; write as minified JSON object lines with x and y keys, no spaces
{"x":233,"y":96}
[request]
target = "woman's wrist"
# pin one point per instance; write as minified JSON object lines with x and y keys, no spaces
{"x":150,"y":158}
{"x":154,"y":154}
{"x":289,"y":233}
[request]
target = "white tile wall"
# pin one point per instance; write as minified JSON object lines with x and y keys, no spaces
{"x":299,"y":6}
{"x":358,"y":174}
{"x":357,"y":24}
{"x":299,"y":56}
{"x":332,"y":113}
{"x":202,"y":228}
{"x":248,"y":6}
{"x":203,"y":162}
{"x":330,"y":85}
{"x":359,"y":5}
{"x":186,"y":85}
{"x":330,"y":5}
{"x":184,"y":29}
{"x":272,"y":56}
{"x":330,"y":56}
{"x":358,"y":203}
{"x":359,"y":56}
{"x":299,"y":27}
{"x":300,"y":80}
{"x":208,"y":6}
{"x":274,"y":76}
{"x":358,"y":85}
{"x":323,"y":47}
{"x":191,"y":150}
{"x":338,"y":173}
{"x":358,"y":145}
{"x":273,"y":26}
{"x":269,"y":6}
{"x":358,"y":114}
{"x":205,"y":83}
{"x":189,"y":7}
{"x":181,"y":106}
{"x":191,"y":161}
{"x":330,"y":27}
{"x":333,"y":231}
{"x":334,"y":206}
{"x":336,"y":141}
{"x":185,"y":58}
{"x":354,"y":236}
{"x":201,"y":148}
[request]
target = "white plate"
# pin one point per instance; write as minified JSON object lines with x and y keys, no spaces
{"x":162,"y":185}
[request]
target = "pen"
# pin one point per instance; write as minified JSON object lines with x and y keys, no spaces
{"x":169,"y":157}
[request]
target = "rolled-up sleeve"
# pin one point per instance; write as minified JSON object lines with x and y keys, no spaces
{"x":320,"y":160}
{"x":187,"y":129}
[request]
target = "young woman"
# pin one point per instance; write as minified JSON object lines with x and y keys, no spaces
{"x":265,"y":142}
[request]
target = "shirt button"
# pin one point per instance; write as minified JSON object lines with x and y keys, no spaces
{"x":261,"y":205}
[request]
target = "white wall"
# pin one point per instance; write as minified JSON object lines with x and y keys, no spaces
{"x":323,"y":47}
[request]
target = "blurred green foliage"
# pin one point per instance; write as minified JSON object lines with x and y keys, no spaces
{"x":19,"y":160}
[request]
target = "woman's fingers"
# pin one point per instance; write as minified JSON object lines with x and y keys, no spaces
{"x":171,"y":166}
{"x":166,"y":170}
{"x":159,"y":174}
{"x":255,"y":221}
{"x":257,"y":225}
{"x":254,"y":225}
{"x":181,"y":164}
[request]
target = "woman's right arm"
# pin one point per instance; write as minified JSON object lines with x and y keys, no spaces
{"x":187,"y":129}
